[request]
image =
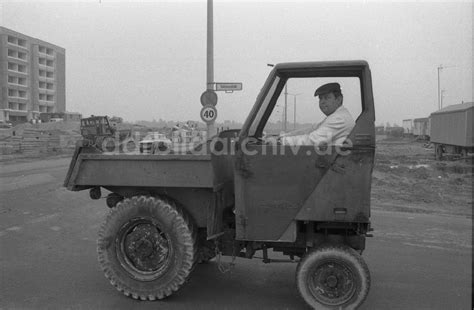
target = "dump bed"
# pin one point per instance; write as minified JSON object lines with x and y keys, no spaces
{"x":89,"y":169}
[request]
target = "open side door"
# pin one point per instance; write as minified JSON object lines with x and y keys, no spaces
{"x":272,"y":184}
{"x":276,"y":186}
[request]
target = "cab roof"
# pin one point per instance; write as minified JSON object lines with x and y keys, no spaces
{"x":324,"y":64}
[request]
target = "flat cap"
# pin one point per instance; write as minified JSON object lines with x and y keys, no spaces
{"x":327,"y":88}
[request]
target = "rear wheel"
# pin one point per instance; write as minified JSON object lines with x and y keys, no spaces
{"x":333,"y":277}
{"x":147,"y":247}
{"x":108,"y":144}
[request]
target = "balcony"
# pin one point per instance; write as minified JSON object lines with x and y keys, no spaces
{"x":46,"y":51}
{"x":17,"y":42}
{"x":17,"y":68}
{"x":46,"y":103}
{"x":17,"y":58}
{"x":15,"y":85}
{"x":19,"y":100}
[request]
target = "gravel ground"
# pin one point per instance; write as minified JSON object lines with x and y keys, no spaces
{"x":407,"y":178}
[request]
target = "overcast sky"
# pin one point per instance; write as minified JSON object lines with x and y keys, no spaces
{"x":147,"y":60}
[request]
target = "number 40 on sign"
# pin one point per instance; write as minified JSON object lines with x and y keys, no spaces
{"x":208,"y":113}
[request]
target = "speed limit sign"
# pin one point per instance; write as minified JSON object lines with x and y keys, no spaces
{"x":208,"y":113}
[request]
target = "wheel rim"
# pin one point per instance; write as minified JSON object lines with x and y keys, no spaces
{"x":143,"y":249}
{"x":332,"y":283}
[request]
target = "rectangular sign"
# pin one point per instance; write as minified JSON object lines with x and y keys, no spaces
{"x":228,"y":86}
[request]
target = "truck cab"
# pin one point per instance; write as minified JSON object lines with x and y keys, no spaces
{"x":303,"y":183}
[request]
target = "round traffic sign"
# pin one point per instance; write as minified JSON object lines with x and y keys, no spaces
{"x":209,"y":97}
{"x":208,"y":113}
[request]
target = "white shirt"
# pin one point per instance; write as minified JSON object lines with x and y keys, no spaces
{"x":333,"y":130}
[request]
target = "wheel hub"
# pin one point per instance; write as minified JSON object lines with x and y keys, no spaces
{"x":146,"y":247}
{"x":332,"y":283}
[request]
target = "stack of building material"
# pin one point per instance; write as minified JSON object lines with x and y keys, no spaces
{"x":31,"y":141}
{"x":5,"y":144}
{"x":34,"y":142}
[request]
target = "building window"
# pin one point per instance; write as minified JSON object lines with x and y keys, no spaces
{"x":42,"y":72}
{"x":22,"y":55}
{"x":49,"y":86}
{"x":50,"y":51}
{"x":42,"y":49}
{"x":42,"y":85}
{"x":49,"y":97}
{"x":21,"y":68}
{"x":42,"y":61}
{"x":49,"y":74}
{"x":42,"y":96}
{"x":12,"y":40}
{"x":22,"y":42}
{"x":17,"y":106}
{"x":49,"y":63}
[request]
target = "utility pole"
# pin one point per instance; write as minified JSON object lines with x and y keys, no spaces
{"x":294,"y":108}
{"x":294,"y":113}
{"x":442,"y":95}
{"x":439,"y":93}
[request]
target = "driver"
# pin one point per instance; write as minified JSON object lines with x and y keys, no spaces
{"x":334,"y":129}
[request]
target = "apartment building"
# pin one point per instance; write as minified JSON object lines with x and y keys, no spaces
{"x":32,"y":77}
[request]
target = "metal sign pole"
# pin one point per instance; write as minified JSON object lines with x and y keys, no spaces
{"x":286,"y":110}
{"x":210,"y":60}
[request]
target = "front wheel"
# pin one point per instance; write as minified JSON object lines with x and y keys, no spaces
{"x":333,"y":277}
{"x":147,"y":247}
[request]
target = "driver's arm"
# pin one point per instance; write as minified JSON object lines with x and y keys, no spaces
{"x":302,"y":131}
{"x":324,"y":134}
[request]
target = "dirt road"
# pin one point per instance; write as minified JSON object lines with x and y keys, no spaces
{"x":420,"y":259}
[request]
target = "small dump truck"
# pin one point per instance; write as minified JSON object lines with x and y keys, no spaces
{"x":238,"y":194}
{"x":452,"y":131}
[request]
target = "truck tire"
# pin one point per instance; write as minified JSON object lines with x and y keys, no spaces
{"x":147,"y":247}
{"x":108,"y":144}
{"x":333,"y":277}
